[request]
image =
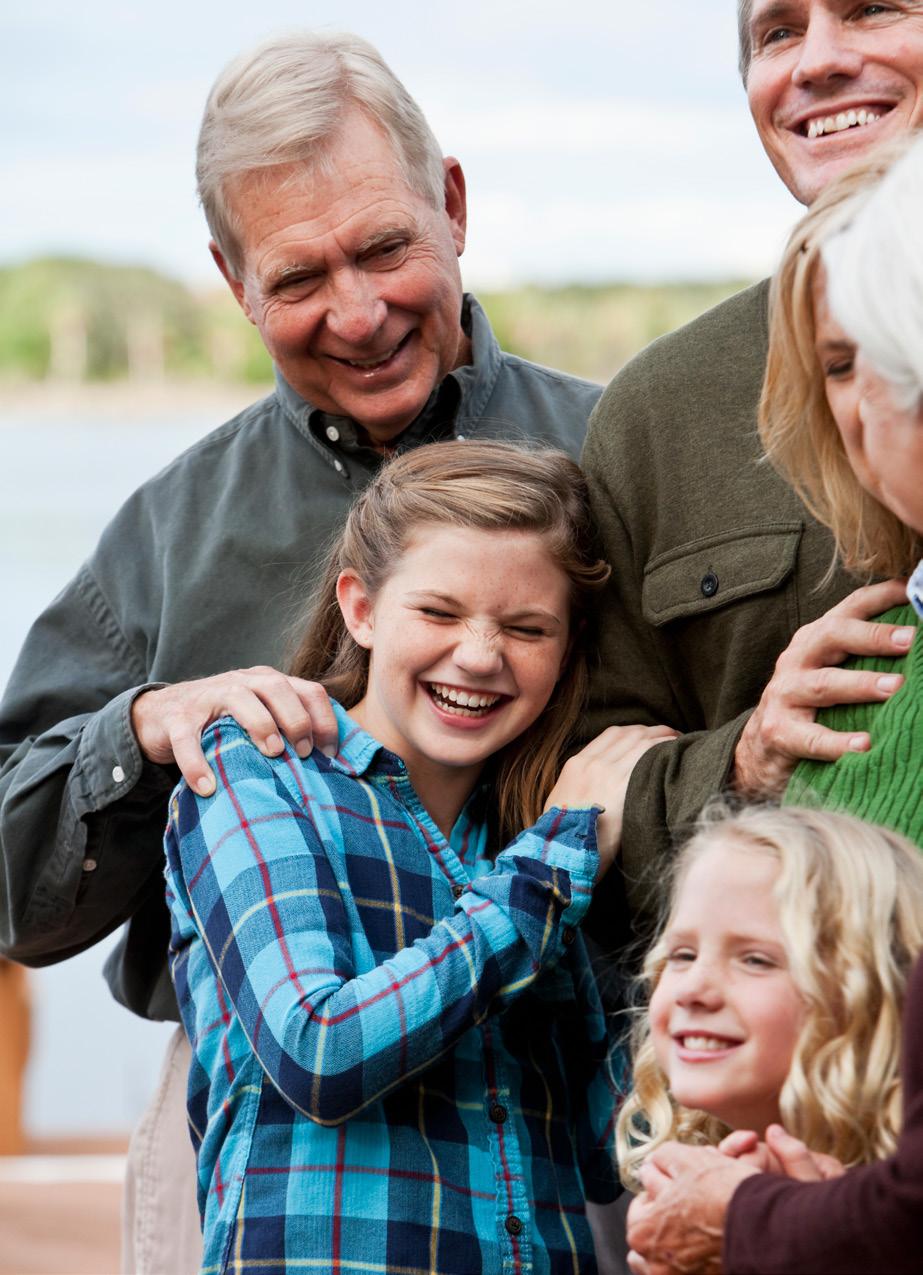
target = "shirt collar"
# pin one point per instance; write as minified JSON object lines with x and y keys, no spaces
{"x":357,"y":751}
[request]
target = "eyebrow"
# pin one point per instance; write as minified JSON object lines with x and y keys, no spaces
{"x":778,"y":12}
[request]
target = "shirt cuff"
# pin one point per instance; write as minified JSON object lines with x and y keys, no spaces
{"x":109,"y":761}
{"x":564,"y":838}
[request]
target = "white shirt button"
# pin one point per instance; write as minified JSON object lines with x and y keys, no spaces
{"x":460,"y":438}
{"x":118,"y":774}
{"x":89,"y":865}
{"x":338,"y":466}
{"x":332,"y":433}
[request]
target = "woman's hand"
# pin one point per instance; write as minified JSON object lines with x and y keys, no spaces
{"x":598,"y":776}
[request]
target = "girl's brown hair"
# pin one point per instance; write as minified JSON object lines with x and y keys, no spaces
{"x":488,"y":486}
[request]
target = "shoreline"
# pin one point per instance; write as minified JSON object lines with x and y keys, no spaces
{"x":118,"y":402}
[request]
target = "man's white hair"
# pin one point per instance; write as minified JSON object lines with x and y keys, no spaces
{"x":875,"y":278}
{"x":285,"y":101}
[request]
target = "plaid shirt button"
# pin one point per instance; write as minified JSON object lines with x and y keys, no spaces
{"x":457,"y":891}
{"x":513,"y":1224}
{"x":497,"y":1112}
{"x":568,"y":934}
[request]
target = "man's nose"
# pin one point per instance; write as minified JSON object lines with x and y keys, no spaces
{"x":828,"y":51}
{"x":355,"y":311}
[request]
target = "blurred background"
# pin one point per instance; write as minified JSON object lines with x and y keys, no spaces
{"x":616,"y":189}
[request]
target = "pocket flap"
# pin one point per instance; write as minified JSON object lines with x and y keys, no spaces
{"x":703,"y":575}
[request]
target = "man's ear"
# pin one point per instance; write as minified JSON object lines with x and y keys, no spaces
{"x":456,"y":205}
{"x":235,"y":284}
{"x":356,"y":607}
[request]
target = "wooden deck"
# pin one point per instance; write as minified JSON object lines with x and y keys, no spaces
{"x":59,"y":1209}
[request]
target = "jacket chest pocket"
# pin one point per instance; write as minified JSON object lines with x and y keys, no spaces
{"x":724,"y":608}
{"x":703,"y":576}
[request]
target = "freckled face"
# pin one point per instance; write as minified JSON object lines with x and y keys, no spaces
{"x":830,"y":78}
{"x":352,"y":280}
{"x":726,"y":1013}
{"x":467,"y":639}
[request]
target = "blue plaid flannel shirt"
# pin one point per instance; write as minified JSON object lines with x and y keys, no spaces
{"x":399,"y":1055}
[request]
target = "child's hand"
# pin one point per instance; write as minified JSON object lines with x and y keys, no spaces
{"x":598,"y":776}
{"x":780,"y":1153}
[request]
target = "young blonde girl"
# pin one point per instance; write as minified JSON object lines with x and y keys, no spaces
{"x":807,"y":924}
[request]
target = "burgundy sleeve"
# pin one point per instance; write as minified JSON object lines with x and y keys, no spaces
{"x":869,"y":1220}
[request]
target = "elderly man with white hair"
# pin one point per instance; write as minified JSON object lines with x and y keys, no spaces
{"x":338,"y":225}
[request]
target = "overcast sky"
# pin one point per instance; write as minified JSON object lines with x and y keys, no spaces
{"x":600,"y":140}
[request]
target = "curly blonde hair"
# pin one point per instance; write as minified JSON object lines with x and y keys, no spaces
{"x":799,"y":434}
{"x":850,"y":898}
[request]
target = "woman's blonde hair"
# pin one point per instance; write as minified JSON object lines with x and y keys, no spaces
{"x":850,"y":898}
{"x":493,"y":487}
{"x":799,"y":433}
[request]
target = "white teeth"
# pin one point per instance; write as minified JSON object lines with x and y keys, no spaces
{"x":460,"y":702}
{"x":838,"y":123}
{"x":704,"y":1043}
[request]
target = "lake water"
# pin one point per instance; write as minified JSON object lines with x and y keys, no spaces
{"x":93,"y":1064}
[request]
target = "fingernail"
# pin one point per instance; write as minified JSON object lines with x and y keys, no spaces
{"x":859,"y":744}
{"x":903,"y":637}
{"x":206,"y":785}
{"x":890,"y":682}
{"x":273,"y":744}
{"x":329,"y":750}
{"x":303,"y":747}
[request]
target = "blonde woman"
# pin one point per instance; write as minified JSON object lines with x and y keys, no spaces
{"x":860,"y":476}
{"x":776,"y":987}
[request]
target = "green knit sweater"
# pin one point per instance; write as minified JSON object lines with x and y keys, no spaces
{"x":885,"y":784}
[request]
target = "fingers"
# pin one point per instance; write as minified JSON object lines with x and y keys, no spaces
{"x":318,"y":725}
{"x":740,"y":1142}
{"x":637,"y":1264}
{"x":269,"y":705}
{"x":835,"y":637}
{"x":795,"y":1159}
{"x":782,"y":728}
{"x":871,"y":599}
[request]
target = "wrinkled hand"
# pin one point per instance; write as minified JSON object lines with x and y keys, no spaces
{"x":168,"y":723}
{"x":598,"y":776}
{"x":783,"y":729}
{"x":676,"y":1225}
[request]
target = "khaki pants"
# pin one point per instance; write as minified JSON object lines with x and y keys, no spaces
{"x":160,"y":1215}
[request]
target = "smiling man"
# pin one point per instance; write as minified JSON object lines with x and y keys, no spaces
{"x":338,"y":225}
{"x":717,"y":565}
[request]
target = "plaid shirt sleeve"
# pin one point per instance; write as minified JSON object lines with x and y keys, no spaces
{"x":264,"y":867}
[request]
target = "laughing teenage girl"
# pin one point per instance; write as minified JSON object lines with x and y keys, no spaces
{"x":399,"y":1053}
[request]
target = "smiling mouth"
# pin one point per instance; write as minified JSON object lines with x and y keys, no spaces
{"x":843,"y":121}
{"x":701,"y":1044}
{"x":460,"y":703}
{"x":370,"y":365}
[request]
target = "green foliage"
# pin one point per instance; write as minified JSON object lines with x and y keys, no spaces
{"x":67,"y":319}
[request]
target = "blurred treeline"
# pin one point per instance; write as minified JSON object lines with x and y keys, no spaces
{"x":72,"y":320}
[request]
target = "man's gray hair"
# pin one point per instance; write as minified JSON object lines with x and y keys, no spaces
{"x":744,"y":14}
{"x":284,"y":102}
{"x":875,"y":278}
